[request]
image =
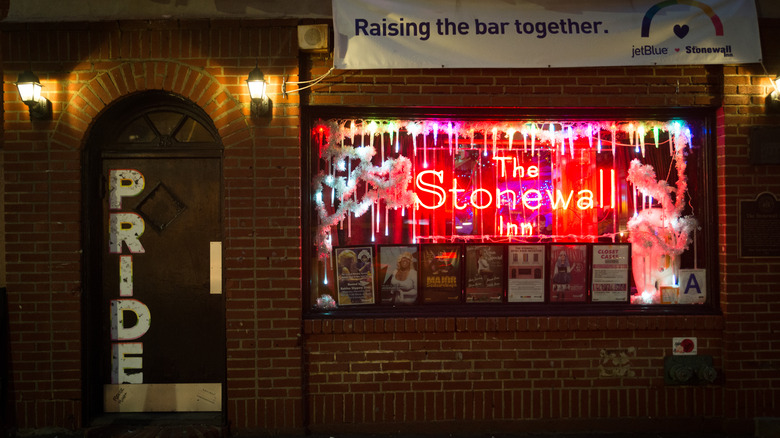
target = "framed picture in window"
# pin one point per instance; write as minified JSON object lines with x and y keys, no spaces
{"x":397,"y":270}
{"x":609,"y":273}
{"x":354,"y":275}
{"x":440,"y":279}
{"x":525,"y":272}
{"x":568,"y":273}
{"x":485,"y":267}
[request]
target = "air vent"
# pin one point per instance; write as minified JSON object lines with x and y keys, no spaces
{"x":313,"y":38}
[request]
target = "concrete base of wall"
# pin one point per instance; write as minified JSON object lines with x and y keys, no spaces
{"x":636,"y":428}
{"x":676,"y":427}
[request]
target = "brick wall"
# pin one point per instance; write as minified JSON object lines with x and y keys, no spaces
{"x":410,"y":374}
{"x":378,"y":374}
{"x":750,"y":288}
{"x":453,"y":370}
{"x":85,"y":67}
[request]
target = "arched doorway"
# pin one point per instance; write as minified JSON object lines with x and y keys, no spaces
{"x":154,"y":313}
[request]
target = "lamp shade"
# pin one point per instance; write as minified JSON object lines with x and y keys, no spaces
{"x":29,"y":87}
{"x":774,"y":96}
{"x":256,"y":84}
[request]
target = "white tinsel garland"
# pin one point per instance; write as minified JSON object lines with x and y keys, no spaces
{"x":672,"y":234}
{"x":388,"y":182}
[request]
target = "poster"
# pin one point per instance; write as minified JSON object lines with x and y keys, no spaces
{"x":669,"y":294}
{"x":398,"y":271}
{"x":568,"y":273}
{"x":355,"y":275}
{"x":610,"y":273}
{"x":440,"y":279}
{"x":484,"y":273}
{"x":526,"y":274}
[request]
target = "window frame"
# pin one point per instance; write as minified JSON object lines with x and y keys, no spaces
{"x":704,"y":116}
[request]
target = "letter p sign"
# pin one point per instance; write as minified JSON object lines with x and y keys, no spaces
{"x":122,"y":183}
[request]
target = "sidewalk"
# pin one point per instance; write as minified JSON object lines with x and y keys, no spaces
{"x":208,"y":431}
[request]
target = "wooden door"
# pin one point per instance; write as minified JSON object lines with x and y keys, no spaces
{"x":154,"y":315}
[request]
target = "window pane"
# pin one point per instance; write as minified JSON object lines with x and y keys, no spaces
{"x":138,"y":131}
{"x":165,"y":122}
{"x":193,"y":132}
{"x":421,"y":182}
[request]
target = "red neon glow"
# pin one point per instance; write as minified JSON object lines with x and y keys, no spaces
{"x":430,"y":188}
{"x":517,"y":171}
{"x":455,"y":190}
{"x":601,"y":188}
{"x":612,"y":195}
{"x":431,"y":182}
{"x":512,"y":229}
{"x":480,"y":192}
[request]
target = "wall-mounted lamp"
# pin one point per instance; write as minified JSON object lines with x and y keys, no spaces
{"x":29,"y":87}
{"x":775,"y":94}
{"x":261,"y":104}
{"x":773,"y":99}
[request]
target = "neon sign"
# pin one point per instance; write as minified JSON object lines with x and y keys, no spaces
{"x":440,"y":180}
{"x":531,"y":199}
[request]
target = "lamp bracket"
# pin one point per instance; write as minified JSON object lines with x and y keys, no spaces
{"x":260,"y":107}
{"x":41,"y":110}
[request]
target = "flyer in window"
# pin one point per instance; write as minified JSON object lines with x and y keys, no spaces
{"x":484,"y":273}
{"x":355,"y":275}
{"x":693,"y":286}
{"x":568,"y":273}
{"x":440,"y":279}
{"x":397,"y":269}
{"x":526,"y":274}
{"x":610,"y":273}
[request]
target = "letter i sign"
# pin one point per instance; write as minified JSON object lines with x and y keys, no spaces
{"x":693,"y":286}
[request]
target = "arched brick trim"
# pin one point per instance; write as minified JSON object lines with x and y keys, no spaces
{"x":87,"y":99}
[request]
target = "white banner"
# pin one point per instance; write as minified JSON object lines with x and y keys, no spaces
{"x":383,"y":34}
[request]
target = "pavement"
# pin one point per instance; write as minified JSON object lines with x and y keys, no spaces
{"x":207,"y":431}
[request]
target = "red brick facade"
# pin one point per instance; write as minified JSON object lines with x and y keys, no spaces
{"x":286,"y":374}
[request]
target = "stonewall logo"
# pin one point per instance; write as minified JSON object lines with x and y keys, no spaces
{"x":680,"y":30}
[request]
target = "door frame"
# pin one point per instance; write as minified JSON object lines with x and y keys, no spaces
{"x":99,"y":144}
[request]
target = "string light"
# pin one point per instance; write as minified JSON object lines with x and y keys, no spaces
{"x":571,"y":142}
{"x":484,"y":144}
{"x":495,"y":138}
{"x":510,"y":134}
{"x":655,"y":136}
{"x":589,"y":132}
{"x":598,"y":141}
{"x":449,"y":136}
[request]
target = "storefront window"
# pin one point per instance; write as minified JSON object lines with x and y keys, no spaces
{"x":514,"y":212}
